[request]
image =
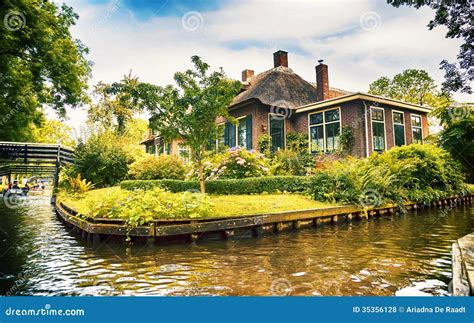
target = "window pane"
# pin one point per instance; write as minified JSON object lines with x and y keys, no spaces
{"x":332,"y":136}
{"x":377,"y":114}
{"x":317,"y":138}
{"x":416,"y":121}
{"x":398,"y":117}
{"x":316,"y":118}
{"x":399,"y":135}
{"x":417,"y":137}
{"x":277,"y":133}
{"x":332,"y":115}
{"x":242,"y":133}
{"x":378,"y":136}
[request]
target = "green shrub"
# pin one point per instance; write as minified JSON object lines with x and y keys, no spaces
{"x":227,"y":186}
{"x":151,"y":167}
{"x":102,"y":159}
{"x":419,"y":173}
{"x":287,"y":162}
{"x":235,"y":163}
{"x":264,"y":145}
{"x":140,"y":207}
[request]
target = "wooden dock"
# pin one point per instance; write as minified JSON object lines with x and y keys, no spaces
{"x":228,"y":227}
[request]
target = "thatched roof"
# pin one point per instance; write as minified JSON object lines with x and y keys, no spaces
{"x":280,"y":86}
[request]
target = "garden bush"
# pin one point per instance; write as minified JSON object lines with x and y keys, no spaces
{"x":161,"y":167}
{"x":234,"y":163}
{"x":227,"y":186}
{"x":419,"y":173}
{"x":287,"y":162}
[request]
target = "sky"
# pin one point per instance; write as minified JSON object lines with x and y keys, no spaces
{"x":359,"y":40}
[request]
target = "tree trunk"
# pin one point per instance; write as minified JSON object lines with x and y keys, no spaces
{"x":202,"y":183}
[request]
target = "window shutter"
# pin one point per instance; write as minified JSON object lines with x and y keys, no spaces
{"x":229,"y":135}
{"x":248,"y":129}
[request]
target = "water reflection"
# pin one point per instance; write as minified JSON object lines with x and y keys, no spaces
{"x":39,"y":256}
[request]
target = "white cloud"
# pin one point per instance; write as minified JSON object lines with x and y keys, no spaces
{"x":244,"y":34}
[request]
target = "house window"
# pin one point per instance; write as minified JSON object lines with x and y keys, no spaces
{"x":324,"y":131}
{"x":398,"y":128}
{"x":244,"y":132}
{"x":416,"y":129}
{"x":277,"y":131}
{"x":378,"y":129}
{"x":184,"y":153}
{"x":240,"y":134}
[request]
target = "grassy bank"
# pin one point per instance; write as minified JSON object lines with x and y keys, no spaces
{"x":111,"y":202}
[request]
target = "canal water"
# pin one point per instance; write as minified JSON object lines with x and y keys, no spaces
{"x":401,"y":255}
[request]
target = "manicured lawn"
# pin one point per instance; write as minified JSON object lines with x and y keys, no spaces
{"x":222,"y":205}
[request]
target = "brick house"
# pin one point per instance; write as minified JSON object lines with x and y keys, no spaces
{"x":279,"y":101}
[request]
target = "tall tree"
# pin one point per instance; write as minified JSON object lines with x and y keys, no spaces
{"x":40,"y":64}
{"x":116,"y":103}
{"x":411,"y":85}
{"x":55,"y":132}
{"x":457,"y":17}
{"x":188,"y":111}
{"x":457,"y":135}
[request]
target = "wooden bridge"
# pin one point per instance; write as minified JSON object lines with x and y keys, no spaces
{"x":18,"y":158}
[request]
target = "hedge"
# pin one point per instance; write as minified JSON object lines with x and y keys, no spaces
{"x":250,"y":185}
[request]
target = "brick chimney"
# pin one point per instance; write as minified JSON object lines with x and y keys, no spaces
{"x":280,"y":58}
{"x":247,"y":75}
{"x":322,"y":81}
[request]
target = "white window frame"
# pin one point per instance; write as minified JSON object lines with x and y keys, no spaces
{"x":404,"y":126}
{"x":237,"y":132}
{"x":284,"y":126}
{"x":324,"y":127}
{"x":372,"y":128}
{"x":217,"y":139}
{"x":183,"y":147}
{"x":411,"y":126}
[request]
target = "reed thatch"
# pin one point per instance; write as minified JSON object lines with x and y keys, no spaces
{"x":280,"y":86}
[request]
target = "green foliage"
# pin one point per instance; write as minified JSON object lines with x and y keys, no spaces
{"x":287,"y":162}
{"x":188,"y":111}
{"x":103,"y":158}
{"x":227,"y":186}
{"x":116,"y":103}
{"x":346,"y":141}
{"x":457,"y":134}
{"x":236,"y":162}
{"x":40,"y":64}
{"x":55,"y":132}
{"x":264,"y":144}
{"x":411,"y":85}
{"x":420,"y":173}
{"x":161,"y":167}
{"x":140,"y":207}
{"x":78,"y":184}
